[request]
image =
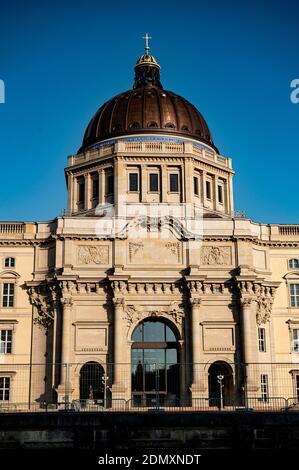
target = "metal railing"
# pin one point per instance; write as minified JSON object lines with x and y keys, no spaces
{"x":95,"y":387}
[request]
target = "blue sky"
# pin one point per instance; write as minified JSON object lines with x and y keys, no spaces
{"x":60,"y":60}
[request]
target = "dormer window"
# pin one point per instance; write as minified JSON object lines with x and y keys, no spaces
{"x":293,"y":263}
{"x":9,"y":262}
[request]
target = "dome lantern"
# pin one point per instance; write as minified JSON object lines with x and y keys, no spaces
{"x":147,"y":108}
{"x":147,"y":69}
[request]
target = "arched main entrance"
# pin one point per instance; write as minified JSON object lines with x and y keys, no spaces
{"x":220,"y":378}
{"x":155,"y":370}
{"x":91,"y":381}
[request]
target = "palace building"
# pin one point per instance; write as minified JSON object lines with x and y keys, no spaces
{"x":150,"y":287}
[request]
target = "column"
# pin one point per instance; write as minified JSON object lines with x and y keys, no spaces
{"x":101,"y":186}
{"x":70,"y":188}
{"x":230,"y":195}
{"x":120,"y":367}
{"x":187,"y":182}
{"x":65,"y":388}
{"x":198,"y":386}
{"x":164,"y":184}
{"x":182,"y":373}
{"x":87,"y":191}
{"x":215,"y":192}
{"x":249,"y":332}
{"x":144,"y":183}
{"x":74,"y":207}
{"x":203,"y":188}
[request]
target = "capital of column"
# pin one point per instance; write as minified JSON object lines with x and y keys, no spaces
{"x":67,"y":302}
{"x":246,"y":302}
{"x":195,"y":302}
{"x":118,"y":302}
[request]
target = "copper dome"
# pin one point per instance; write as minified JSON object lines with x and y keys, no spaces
{"x":147,"y":108}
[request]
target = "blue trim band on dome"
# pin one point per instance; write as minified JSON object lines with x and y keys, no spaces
{"x":149,"y":138}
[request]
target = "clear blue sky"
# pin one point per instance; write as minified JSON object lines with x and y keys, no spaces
{"x":61,"y":60}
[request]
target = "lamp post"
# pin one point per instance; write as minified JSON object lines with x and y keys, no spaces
{"x":221,"y":385}
{"x":105,"y":379}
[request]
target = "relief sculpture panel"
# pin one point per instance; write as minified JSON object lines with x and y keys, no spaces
{"x":88,"y":254}
{"x":216,"y":255}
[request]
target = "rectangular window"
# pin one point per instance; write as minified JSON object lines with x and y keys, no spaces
{"x":95,"y":187}
{"x":4,"y":388}
{"x":295,"y":340}
{"x":220,"y":194}
{"x":110,"y":184}
{"x":133,"y":182}
{"x":262,"y":339}
{"x":8,"y":295}
{"x":174,"y":183}
{"x":154,"y":182}
{"x":264,"y":388}
{"x":297,"y":386}
{"x":208,"y":189}
{"x":196,"y":187}
{"x":294,"y":295}
{"x":9,"y":262}
{"x":5,"y":341}
{"x":81,"y":190}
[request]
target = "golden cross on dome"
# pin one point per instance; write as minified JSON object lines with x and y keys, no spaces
{"x":146,"y":37}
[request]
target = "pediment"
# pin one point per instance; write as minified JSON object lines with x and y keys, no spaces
{"x":294,"y":275}
{"x":8,"y":274}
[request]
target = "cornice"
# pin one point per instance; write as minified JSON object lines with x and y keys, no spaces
{"x":97,"y":162}
{"x":91,"y":237}
{"x":17,"y":242}
{"x":212,"y":165}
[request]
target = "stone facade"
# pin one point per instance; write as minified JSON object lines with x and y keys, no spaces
{"x":124,"y":254}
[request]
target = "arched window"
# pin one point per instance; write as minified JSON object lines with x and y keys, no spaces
{"x":9,"y":262}
{"x":293,"y":263}
{"x":91,"y":381}
{"x":155,"y":373}
{"x":169,"y":125}
{"x":152,"y":124}
{"x":134,"y":125}
{"x":220,"y":384}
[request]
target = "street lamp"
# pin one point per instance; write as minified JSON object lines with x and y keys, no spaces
{"x":221,"y":385}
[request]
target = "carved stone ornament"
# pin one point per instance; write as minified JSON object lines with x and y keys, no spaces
{"x":215,"y":255}
{"x":175,"y":312}
{"x":195,"y":287}
{"x":134,"y":247}
{"x":88,"y":254}
{"x":174,"y":248}
{"x":44,"y":298}
{"x":264,"y":308}
{"x":262,"y":295}
{"x":121,"y":287}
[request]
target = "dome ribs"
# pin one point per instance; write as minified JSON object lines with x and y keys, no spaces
{"x":147,"y":109}
{"x":177,"y":122}
{"x":159,"y":106}
{"x":103,"y":126}
{"x":167,"y":110}
{"x":118,"y":114}
{"x":134,"y":110}
{"x":151,"y":109}
{"x":188,"y":111}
